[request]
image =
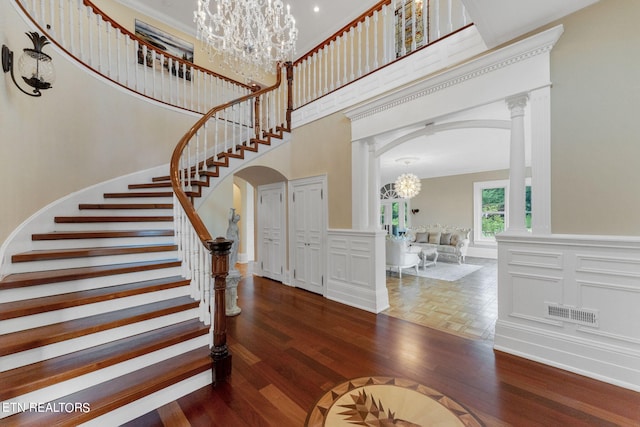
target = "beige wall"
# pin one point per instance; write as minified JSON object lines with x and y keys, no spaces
{"x":79,"y":133}
{"x":595,"y":102}
{"x":322,"y":147}
{"x":449,"y":200}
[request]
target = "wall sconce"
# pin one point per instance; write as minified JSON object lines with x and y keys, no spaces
{"x":415,"y":211}
{"x":34,"y":66}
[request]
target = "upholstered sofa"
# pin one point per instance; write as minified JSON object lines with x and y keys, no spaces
{"x":451,"y":242}
{"x":400,"y":254}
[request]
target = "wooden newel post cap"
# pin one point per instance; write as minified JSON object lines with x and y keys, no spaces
{"x":220,"y":246}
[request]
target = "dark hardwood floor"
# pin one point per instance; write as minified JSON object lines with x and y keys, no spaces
{"x":289,"y":347}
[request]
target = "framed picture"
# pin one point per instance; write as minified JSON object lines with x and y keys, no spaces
{"x":167,"y":43}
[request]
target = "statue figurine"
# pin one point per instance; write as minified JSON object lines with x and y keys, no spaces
{"x":233,"y":234}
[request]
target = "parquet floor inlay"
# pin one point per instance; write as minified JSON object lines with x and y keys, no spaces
{"x":467,"y":307}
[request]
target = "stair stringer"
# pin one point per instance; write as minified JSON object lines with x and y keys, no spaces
{"x":20,"y":239}
{"x":236,"y":164}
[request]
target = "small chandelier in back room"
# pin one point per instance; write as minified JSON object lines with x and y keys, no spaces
{"x":407,"y":185}
{"x":248,"y":36}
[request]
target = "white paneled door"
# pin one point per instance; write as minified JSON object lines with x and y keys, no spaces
{"x":308,"y":228}
{"x":271,"y":230}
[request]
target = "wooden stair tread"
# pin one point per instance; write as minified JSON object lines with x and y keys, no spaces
{"x":14,"y":309}
{"x":100,"y":234}
{"x":15,"y":342}
{"x":24,"y":379}
{"x":149,"y":185}
{"x":125,"y":206}
{"x":41,"y":255}
{"x":18,"y":280}
{"x":117,"y":392}
{"x":91,"y":219}
{"x":138,"y":194}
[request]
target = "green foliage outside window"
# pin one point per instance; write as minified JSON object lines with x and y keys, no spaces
{"x":493,"y":210}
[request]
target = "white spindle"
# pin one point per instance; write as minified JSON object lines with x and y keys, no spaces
{"x":72,"y":38}
{"x":109,"y":63}
{"x":437,"y":19}
{"x":314,"y":73}
{"x":89,"y":30}
{"x":99,"y":31}
{"x":376,"y":18}
{"x":413,"y":26}
{"x":344,"y":77}
{"x":425,"y":23}
{"x":353,"y":50}
{"x":367,"y":64}
{"x":449,"y":16}
{"x":331,"y":48}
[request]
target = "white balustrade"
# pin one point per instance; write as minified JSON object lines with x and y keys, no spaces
{"x":100,"y":44}
{"x":368,"y":44}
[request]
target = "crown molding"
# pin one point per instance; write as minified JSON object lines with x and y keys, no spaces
{"x":538,"y":44}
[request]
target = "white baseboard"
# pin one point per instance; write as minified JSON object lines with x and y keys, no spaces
{"x":597,"y":360}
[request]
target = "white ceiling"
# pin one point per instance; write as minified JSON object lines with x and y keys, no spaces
{"x":446,"y":153}
{"x":313,"y":27}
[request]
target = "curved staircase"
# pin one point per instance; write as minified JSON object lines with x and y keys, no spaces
{"x":98,"y":319}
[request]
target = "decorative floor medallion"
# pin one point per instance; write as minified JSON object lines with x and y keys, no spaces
{"x":386,"y":401}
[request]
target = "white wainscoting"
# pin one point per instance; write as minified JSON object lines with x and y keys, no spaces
{"x":589,"y":273}
{"x":355,"y":266}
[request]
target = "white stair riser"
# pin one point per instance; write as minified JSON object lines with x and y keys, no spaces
{"x":142,"y":406}
{"x":113,"y":226}
{"x":18,"y":294}
{"x":57,"y":316}
{"x":26,"y":357}
{"x":59,"y":264}
{"x":101,"y":242}
{"x":74,"y":385}
{"x":136,"y":199}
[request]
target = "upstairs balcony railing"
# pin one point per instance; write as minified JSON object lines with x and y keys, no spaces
{"x":95,"y":40}
{"x":388,"y":31}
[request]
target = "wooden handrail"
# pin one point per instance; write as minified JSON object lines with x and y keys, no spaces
{"x":354,"y":23}
{"x":190,"y":211}
{"x":128,"y":33}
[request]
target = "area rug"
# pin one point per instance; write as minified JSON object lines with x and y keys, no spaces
{"x":386,"y":401}
{"x":443,"y":271}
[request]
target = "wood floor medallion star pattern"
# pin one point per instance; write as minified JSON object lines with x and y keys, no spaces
{"x":387,"y":401}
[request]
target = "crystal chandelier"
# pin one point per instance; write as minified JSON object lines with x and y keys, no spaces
{"x":407,"y":185}
{"x":248,"y":36}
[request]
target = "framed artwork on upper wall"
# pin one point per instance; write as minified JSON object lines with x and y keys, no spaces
{"x":167,"y":43}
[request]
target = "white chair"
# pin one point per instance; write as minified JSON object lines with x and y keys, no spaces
{"x":400,"y":255}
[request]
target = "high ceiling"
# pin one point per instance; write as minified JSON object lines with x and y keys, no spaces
{"x":314,"y":27}
{"x":436,"y":154}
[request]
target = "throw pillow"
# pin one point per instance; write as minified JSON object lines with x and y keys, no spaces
{"x":434,"y":238}
{"x":454,"y":240}
{"x":445,"y":239}
{"x":422,"y":237}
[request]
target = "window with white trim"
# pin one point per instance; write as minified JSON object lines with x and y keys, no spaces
{"x":491,"y":209}
{"x":394,"y":211}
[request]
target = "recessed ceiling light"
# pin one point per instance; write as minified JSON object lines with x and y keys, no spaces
{"x":316,"y":9}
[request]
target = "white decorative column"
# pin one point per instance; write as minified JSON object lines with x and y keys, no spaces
{"x":359,"y":185}
{"x":374,"y":188}
{"x":540,"y":102}
{"x":517,"y":171}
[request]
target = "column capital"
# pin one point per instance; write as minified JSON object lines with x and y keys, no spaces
{"x":517,"y":103}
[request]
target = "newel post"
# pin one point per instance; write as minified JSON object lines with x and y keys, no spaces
{"x":289,"y":66}
{"x":220,"y":248}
